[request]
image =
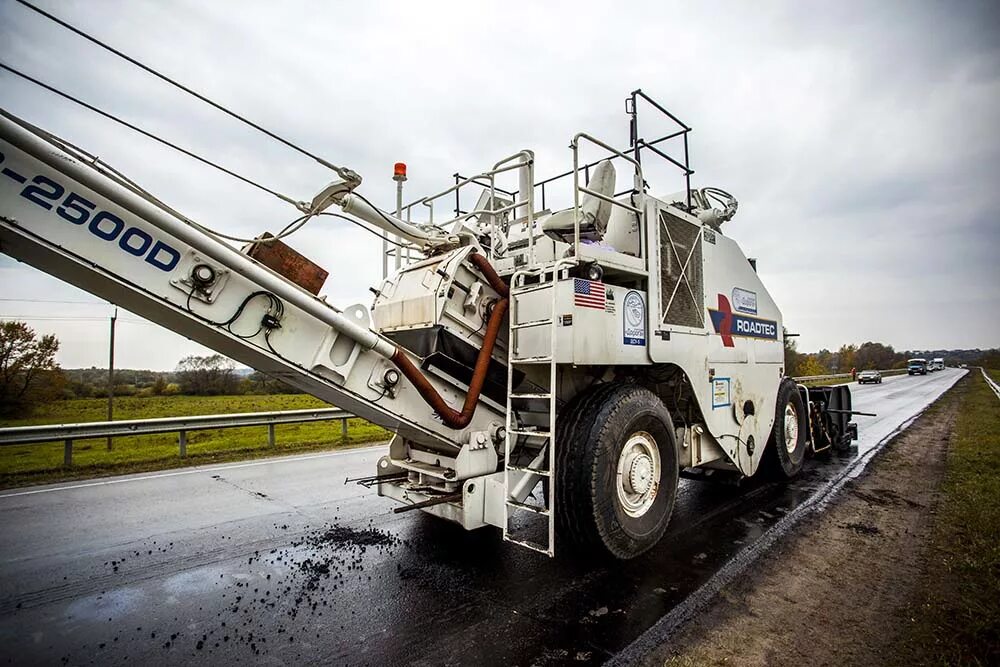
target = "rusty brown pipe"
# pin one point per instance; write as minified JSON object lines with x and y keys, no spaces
{"x":451,"y":417}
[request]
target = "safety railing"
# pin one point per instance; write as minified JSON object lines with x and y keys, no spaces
{"x":577,"y":188}
{"x":637,"y":143}
{"x":68,"y":433}
{"x":487,"y":181}
{"x":844,"y":376}
{"x":993,"y":385}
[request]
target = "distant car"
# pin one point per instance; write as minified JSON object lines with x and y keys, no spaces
{"x":916,"y":367}
{"x":869,"y":377}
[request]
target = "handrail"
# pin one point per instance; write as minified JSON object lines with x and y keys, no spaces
{"x":525,"y":159}
{"x":637,"y":144}
{"x":637,"y":181}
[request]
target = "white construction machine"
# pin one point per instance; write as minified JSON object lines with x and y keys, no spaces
{"x":549,"y":372}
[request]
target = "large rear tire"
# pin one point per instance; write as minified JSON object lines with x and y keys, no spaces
{"x":616,"y":470}
{"x":786,"y":448}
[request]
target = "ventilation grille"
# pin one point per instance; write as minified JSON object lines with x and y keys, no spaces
{"x":682,"y":291}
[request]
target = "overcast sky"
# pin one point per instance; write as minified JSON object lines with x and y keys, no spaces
{"x":860,"y":138}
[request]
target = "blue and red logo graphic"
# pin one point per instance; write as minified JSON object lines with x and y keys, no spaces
{"x":729,"y":324}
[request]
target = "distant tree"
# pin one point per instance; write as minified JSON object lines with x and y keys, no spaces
{"x":159,"y":386}
{"x":213,"y":375}
{"x":792,"y":355}
{"x":846,"y":358}
{"x":261,"y":383}
{"x":875,"y":356}
{"x":810,"y":366}
{"x":29,"y":375}
{"x":990,"y":359}
{"x":826,"y":359}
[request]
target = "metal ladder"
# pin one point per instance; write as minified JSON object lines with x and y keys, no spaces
{"x":543,"y":465}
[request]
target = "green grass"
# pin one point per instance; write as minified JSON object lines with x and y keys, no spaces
{"x":29,"y":464}
{"x":993,"y":373}
{"x":958,"y":622}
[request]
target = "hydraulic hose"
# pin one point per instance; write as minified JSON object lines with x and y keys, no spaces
{"x":453,"y":418}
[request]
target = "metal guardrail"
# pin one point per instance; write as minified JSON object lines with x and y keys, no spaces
{"x":993,"y":385}
{"x":27,"y":435}
{"x":841,"y":376}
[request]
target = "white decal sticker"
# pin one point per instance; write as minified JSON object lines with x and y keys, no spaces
{"x":745,"y":301}
{"x":720,"y":393}
{"x":633,"y":319}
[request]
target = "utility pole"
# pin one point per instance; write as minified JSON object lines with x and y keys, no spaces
{"x":111,"y":373}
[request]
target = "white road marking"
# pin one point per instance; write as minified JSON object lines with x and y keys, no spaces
{"x":190,"y":471}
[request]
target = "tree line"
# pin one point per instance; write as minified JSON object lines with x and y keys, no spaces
{"x":30,"y":376}
{"x":875,"y":356}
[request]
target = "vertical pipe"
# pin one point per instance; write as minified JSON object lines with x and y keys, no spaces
{"x":687,"y":171}
{"x":68,"y":453}
{"x":111,"y":373}
{"x":385,"y":255}
{"x":524,"y":186}
{"x":576,"y":200}
{"x":399,"y":214}
{"x":182,"y":443}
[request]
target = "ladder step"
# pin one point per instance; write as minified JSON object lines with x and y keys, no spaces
{"x":533,"y":471}
{"x":531,"y":395}
{"x":532,"y":323}
{"x":531,"y":360}
{"x":536,"y":434}
{"x":531,"y":545}
{"x":528,"y":508}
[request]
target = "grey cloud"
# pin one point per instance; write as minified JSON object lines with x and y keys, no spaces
{"x":856,"y":135}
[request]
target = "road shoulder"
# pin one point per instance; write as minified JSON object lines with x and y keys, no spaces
{"x":837,"y":589}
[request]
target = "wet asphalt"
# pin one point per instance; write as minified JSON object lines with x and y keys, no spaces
{"x":279,"y":562}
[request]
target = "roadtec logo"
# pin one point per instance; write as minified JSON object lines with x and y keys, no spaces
{"x":730,"y":325}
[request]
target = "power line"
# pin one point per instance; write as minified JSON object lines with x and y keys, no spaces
{"x":292,"y":227}
{"x":87,"y":303}
{"x":340,"y":170}
{"x":44,"y":318}
{"x":150,"y":135}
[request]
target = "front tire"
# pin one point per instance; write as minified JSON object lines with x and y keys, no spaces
{"x":786,"y":448}
{"x":616,"y":472}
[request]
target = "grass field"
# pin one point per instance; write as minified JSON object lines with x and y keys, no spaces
{"x":43,"y":463}
{"x":958,"y":622}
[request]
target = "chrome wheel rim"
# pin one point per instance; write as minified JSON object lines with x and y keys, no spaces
{"x":791,"y":428}
{"x":638,"y":474}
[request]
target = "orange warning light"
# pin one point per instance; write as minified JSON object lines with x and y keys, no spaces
{"x":399,"y":170}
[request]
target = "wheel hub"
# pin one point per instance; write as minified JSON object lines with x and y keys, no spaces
{"x":791,"y":428}
{"x":638,"y":474}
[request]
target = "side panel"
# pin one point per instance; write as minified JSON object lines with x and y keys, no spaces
{"x":595,"y":323}
{"x":730,"y":345}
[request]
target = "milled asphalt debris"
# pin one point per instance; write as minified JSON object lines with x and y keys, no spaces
{"x":287,"y":582}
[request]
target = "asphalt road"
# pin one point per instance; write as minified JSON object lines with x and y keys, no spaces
{"x":279,"y":562}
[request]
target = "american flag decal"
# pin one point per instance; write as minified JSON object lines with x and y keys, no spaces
{"x":588,"y":294}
